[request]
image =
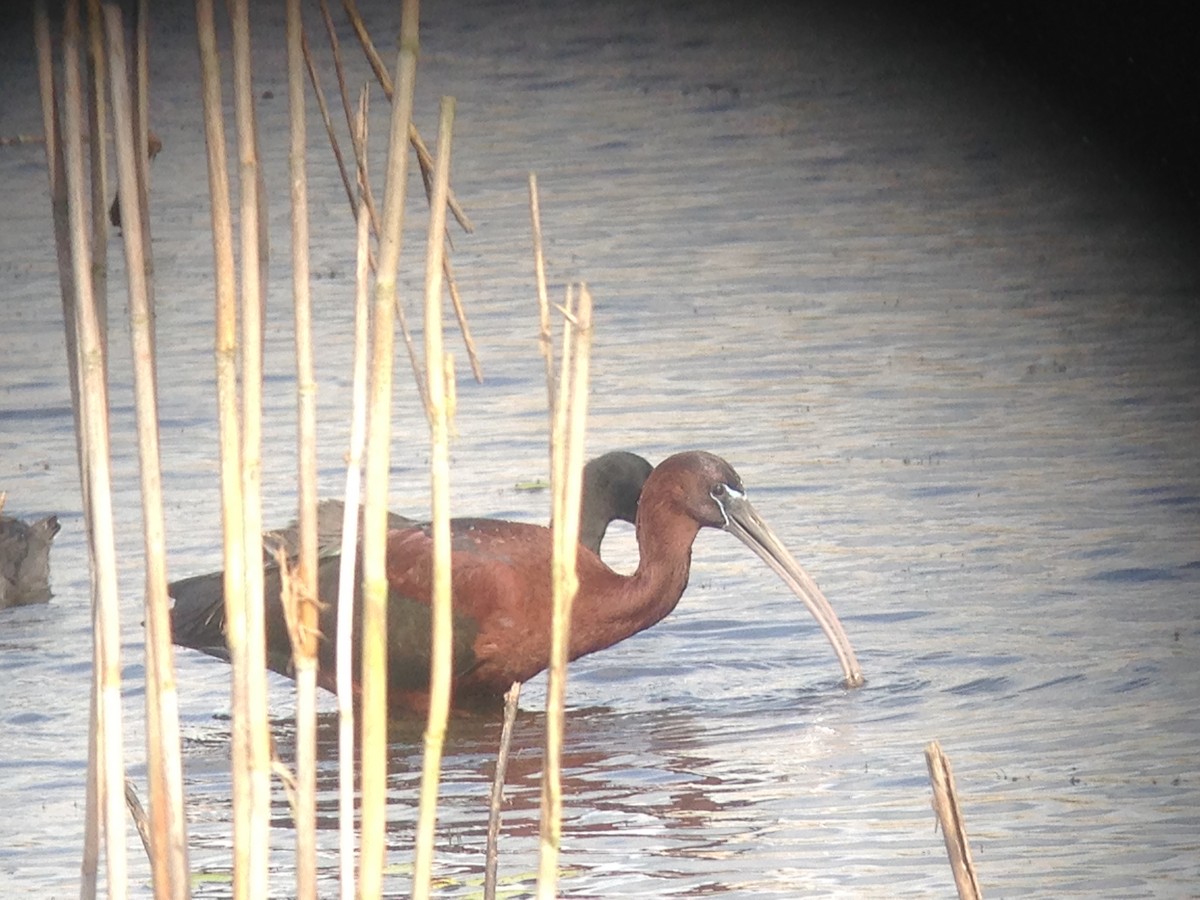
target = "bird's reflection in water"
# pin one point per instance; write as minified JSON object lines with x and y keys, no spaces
{"x":664,"y":776}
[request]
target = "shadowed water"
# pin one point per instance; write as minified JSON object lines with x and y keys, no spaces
{"x":950,"y":346}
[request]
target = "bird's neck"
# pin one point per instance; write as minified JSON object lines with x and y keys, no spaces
{"x":626,"y":605}
{"x":665,"y":559}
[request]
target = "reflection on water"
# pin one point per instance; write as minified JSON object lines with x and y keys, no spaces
{"x":951,"y":352}
{"x":644,"y":792}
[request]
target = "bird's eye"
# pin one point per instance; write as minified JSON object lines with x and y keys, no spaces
{"x":720,"y":496}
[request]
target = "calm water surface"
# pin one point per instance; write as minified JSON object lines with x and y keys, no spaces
{"x":950,"y":346}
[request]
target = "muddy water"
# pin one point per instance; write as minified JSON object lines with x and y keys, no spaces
{"x":948,"y":343}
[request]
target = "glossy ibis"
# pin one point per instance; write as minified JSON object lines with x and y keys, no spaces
{"x":25,"y":560}
{"x":612,"y":484}
{"x":502,"y":590}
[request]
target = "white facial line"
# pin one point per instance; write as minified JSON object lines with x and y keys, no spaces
{"x":732,"y":492}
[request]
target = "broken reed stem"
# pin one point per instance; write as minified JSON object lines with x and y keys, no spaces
{"x":954,"y":829}
{"x":424,"y":157}
{"x":426,"y":172}
{"x":410,"y":347}
{"x":140,"y":820}
{"x":512,"y":700}
{"x":20,"y":140}
{"x":373,"y":57}
{"x":304,"y":642}
{"x":369,"y":198}
{"x":346,"y":575}
{"x":94,"y":418}
{"x":375,"y":587}
{"x":401,"y":317}
{"x":427,"y":176}
{"x":568,"y":490}
{"x":323,"y":107}
{"x":229,"y":425}
{"x":168,"y":845}
{"x":439,"y":476}
{"x":252,"y":258}
{"x":460,"y":313}
{"x":347,"y":109}
{"x":413,"y":359}
{"x":545,"y":333}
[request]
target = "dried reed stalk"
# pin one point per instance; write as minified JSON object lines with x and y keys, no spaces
{"x":89,"y":867}
{"x":460,"y":313}
{"x":90,"y":861}
{"x":323,"y":107}
{"x":426,"y":173}
{"x":436,"y":365}
{"x":375,"y":587}
{"x":141,"y":109}
{"x":294,"y":599}
{"x":954,"y":829}
{"x":94,"y":419}
{"x":58,"y":208}
{"x":98,"y":154}
{"x":410,"y":347}
{"x":148,"y":144}
{"x":253,"y":261}
{"x":305,"y":609}
{"x":229,"y":426}
{"x":168,"y":836}
{"x":141,"y":821}
{"x":512,"y":700}
{"x":348,"y":110}
{"x":373,"y":57}
{"x":568,"y":490}
{"x":512,"y":696}
{"x":366,"y":192}
{"x":350,"y":193}
{"x":424,"y":157}
{"x":545,"y":333}
{"x":426,"y":163}
{"x":346,"y":574}
{"x":169,"y":856}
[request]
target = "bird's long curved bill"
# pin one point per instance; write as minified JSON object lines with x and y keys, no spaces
{"x":743,"y":522}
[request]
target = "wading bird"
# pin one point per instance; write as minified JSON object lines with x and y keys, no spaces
{"x":502,"y":588}
{"x":25,"y":559}
{"x":612,"y":484}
